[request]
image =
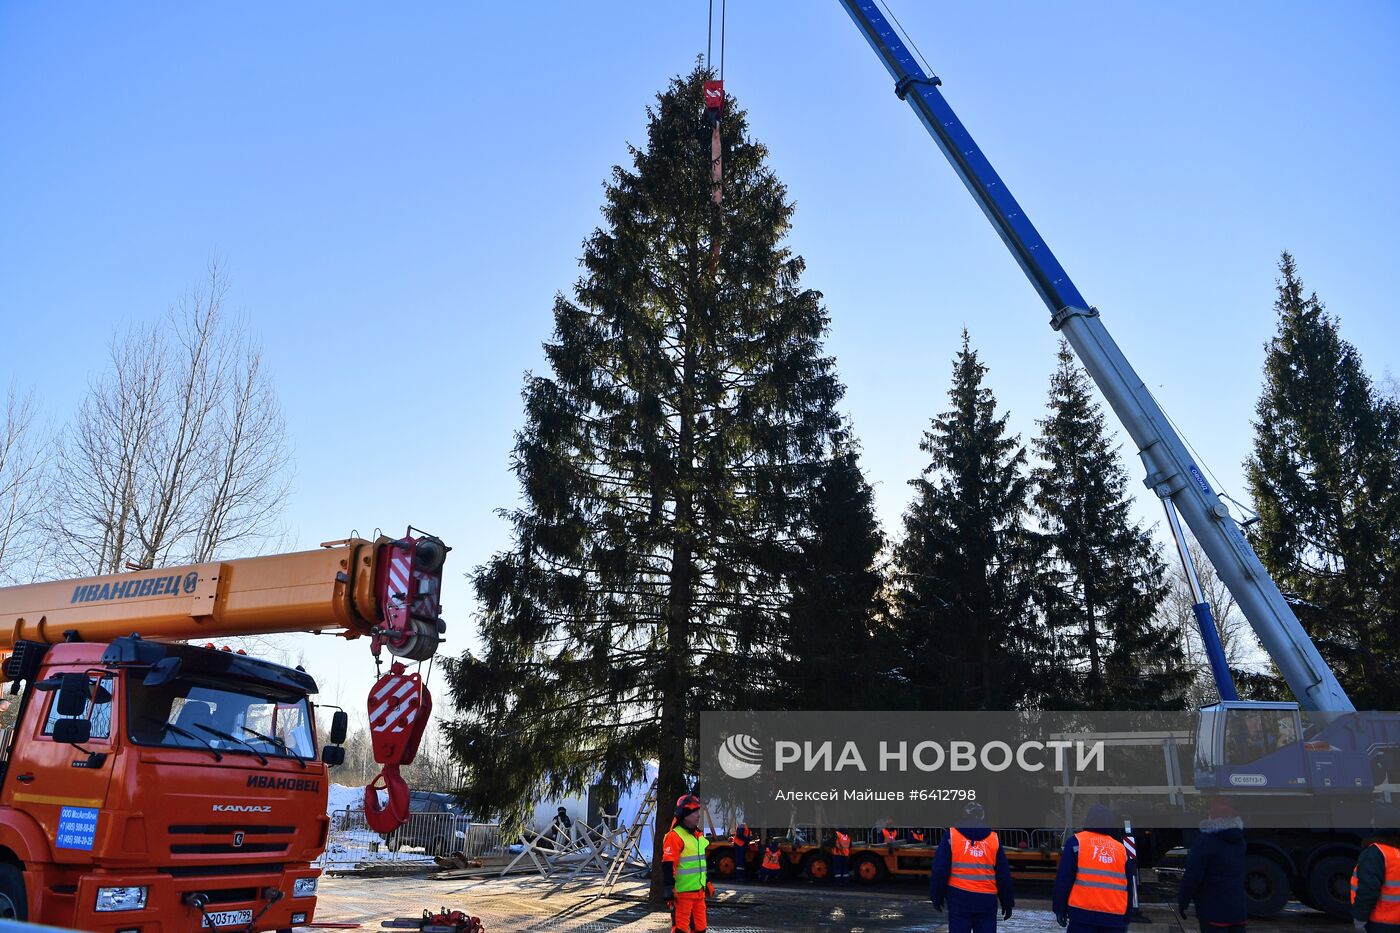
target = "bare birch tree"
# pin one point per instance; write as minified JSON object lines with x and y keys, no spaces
{"x":23,"y":457}
{"x":178,"y":452}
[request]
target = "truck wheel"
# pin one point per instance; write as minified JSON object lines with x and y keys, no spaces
{"x":14,"y":904}
{"x":818,"y":866}
{"x":1329,"y":886}
{"x":722,"y":865}
{"x":1265,"y":886}
{"x":868,"y":868}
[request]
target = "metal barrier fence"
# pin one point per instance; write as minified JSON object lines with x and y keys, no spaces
{"x":352,"y":844}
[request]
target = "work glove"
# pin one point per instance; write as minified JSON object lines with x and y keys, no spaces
{"x":1062,"y":919}
{"x":709,"y":889}
{"x":671,"y":898}
{"x":938,"y":907}
{"x":1006,"y":913}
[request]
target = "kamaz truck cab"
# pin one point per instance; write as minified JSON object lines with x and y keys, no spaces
{"x":161,"y":787}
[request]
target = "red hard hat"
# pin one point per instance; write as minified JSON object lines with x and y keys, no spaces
{"x":686,"y":803}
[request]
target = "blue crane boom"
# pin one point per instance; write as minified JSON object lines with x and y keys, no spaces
{"x":1171,"y":471}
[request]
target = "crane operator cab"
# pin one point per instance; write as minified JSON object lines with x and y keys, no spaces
{"x":1277,"y":746}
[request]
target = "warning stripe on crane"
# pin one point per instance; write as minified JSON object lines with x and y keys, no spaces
{"x":427,"y":602}
{"x":395,"y":703}
{"x":399,"y":573}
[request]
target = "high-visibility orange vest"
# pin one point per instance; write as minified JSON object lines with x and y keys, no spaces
{"x":739,"y":842}
{"x":771,"y":858}
{"x":1387,"y":909}
{"x":915,"y":835}
{"x":1101,"y":882}
{"x":974,"y":862}
{"x":843,"y":844}
{"x":889,"y":835}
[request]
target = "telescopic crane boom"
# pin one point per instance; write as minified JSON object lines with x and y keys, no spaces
{"x":1171,"y":471}
{"x":385,"y":589}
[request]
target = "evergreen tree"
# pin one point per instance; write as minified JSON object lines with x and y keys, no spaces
{"x":1325,"y":476}
{"x":962,"y":609}
{"x":839,"y":651}
{"x":665,"y":466}
{"x":1101,"y":579}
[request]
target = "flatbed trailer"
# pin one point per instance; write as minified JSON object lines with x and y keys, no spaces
{"x":1034,"y":854}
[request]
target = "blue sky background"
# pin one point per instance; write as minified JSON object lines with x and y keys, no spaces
{"x":399,"y":191}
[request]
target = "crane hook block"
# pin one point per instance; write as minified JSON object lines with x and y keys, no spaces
{"x":399,"y":709}
{"x":714,"y":96}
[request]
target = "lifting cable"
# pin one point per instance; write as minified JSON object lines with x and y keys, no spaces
{"x":714,"y":106}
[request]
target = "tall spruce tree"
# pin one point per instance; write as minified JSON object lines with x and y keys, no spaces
{"x":665,"y":464}
{"x":1325,"y":476}
{"x":1100,"y":580}
{"x":839,"y":653}
{"x":962,"y":595}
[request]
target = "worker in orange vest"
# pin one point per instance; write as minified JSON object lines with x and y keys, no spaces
{"x":841,"y":857}
{"x":772,"y":867}
{"x":683,"y":868}
{"x":971,"y":875}
{"x":1375,"y":886}
{"x":740,"y":839}
{"x":1095,"y":875}
{"x":888,"y":835}
{"x":917,"y":836}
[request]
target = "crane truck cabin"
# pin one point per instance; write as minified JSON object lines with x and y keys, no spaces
{"x":148,"y":785}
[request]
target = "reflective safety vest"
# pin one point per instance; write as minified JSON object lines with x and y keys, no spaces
{"x":889,"y":835}
{"x":690,"y":867}
{"x":916,"y":836}
{"x":974,"y":863}
{"x":1387,"y":909}
{"x":771,"y":858}
{"x":1101,"y":881}
{"x":739,"y":842}
{"x":843,"y":844}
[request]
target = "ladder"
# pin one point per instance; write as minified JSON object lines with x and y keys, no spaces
{"x":630,"y":850}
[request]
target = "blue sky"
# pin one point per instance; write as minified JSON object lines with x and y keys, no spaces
{"x":398,"y":192}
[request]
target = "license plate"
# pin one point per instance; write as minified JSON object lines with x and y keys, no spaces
{"x":218,"y":918}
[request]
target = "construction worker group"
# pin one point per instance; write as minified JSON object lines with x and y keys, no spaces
{"x":1095,"y":888}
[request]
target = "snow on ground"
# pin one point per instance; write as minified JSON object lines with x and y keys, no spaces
{"x":344,"y":798}
{"x":357,"y":844}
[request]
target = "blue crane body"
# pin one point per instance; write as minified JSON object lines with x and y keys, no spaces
{"x":1336,"y":749}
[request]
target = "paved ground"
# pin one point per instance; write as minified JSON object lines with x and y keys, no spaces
{"x":524,"y":903}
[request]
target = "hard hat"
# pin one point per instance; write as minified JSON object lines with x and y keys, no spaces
{"x":685,"y":803}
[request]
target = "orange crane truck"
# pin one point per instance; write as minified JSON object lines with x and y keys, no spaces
{"x":149,"y":785}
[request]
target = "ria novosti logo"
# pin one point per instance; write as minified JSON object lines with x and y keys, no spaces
{"x":740,"y":756}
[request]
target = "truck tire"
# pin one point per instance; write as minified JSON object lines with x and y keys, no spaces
{"x":868,"y":868}
{"x":1329,"y":885}
{"x":1265,"y":886}
{"x":818,"y":866}
{"x":14,"y":903}
{"x":722,"y":864}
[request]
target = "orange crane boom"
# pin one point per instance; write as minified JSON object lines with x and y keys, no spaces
{"x":386,"y":589}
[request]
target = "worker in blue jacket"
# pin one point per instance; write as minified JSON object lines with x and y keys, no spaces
{"x":971,"y":875}
{"x":1094,"y":884}
{"x":1214,"y":875}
